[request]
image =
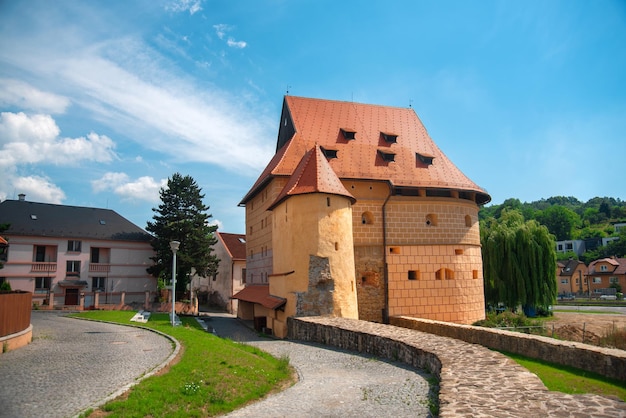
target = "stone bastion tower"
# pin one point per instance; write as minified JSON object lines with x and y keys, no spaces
{"x":360,"y":214}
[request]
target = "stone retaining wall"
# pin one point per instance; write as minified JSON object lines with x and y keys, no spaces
{"x":604,"y":361}
{"x":473,"y":380}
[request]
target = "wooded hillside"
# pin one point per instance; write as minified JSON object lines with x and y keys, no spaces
{"x":567,"y":218}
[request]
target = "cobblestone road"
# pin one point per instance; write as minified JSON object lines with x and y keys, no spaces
{"x":73,"y":364}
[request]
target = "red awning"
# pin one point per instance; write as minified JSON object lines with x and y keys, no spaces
{"x":260,"y":294}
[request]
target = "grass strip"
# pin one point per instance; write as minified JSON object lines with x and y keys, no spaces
{"x":571,"y":380}
{"x":213,"y":376}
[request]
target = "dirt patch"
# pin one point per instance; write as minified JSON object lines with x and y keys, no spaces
{"x":584,"y":327}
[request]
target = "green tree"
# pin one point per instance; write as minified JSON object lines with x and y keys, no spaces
{"x":560,"y":221}
{"x":519,"y":261}
{"x":182,"y":216}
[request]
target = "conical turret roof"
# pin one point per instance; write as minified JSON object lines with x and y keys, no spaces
{"x":312,"y":175}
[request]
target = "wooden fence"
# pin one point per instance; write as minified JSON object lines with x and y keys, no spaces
{"x":15,"y":308}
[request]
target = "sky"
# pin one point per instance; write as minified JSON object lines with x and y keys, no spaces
{"x":101,"y":102}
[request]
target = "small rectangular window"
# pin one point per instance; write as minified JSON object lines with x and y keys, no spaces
{"x":329,"y":153}
{"x":97,"y":283}
{"x":415,"y":275}
{"x":424,"y":158}
{"x":387,"y":156}
{"x":42,"y":284}
{"x":73,"y":246}
{"x":72,"y":268}
{"x":390,"y":138}
{"x":348,"y":134}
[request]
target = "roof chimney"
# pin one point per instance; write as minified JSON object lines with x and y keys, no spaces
{"x":22,"y":197}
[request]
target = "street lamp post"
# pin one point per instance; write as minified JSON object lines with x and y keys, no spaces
{"x":174,"y":246}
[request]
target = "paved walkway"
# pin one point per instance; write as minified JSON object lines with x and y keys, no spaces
{"x":332,"y":382}
{"x":73,"y":364}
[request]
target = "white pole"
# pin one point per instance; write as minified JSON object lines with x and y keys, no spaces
{"x":174,"y":246}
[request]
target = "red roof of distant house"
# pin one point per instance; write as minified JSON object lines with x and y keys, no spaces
{"x":313,"y":175}
{"x":260,"y":294}
{"x":619,"y":263}
{"x":368,"y":142}
{"x":235,"y":244}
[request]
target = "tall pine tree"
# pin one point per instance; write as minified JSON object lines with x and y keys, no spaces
{"x":519,"y":261}
{"x":182,"y":216}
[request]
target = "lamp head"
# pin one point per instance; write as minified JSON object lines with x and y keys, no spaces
{"x":174,"y":246}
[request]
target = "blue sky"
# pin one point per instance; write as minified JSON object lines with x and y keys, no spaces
{"x":103,"y":101}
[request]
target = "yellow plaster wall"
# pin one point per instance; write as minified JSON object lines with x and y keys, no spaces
{"x":305,"y":225}
{"x":259,"y":233}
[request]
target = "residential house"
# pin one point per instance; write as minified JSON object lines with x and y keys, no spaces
{"x":571,"y":277}
{"x":604,"y":273}
{"x":218,"y":290}
{"x":73,"y":256}
{"x":359,"y":214}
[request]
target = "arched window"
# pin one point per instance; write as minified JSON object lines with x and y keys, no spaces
{"x":468,"y":221}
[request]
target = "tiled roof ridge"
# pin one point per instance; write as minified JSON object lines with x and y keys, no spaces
{"x":349,"y":102}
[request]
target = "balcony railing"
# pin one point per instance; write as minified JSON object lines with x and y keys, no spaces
{"x":99,"y":268}
{"x":43,"y":267}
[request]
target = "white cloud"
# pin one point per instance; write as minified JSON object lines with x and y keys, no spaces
{"x":24,"y":96}
{"x":38,"y":189}
{"x":220,"y":224}
{"x":142,"y":189}
{"x":221,"y":30}
{"x":35,"y":139}
{"x":192,"y":6}
{"x":236,"y":44}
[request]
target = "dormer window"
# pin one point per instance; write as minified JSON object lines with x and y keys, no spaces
{"x":387,"y":156}
{"x":389,"y":138}
{"x":329,"y":153}
{"x":348,"y":134}
{"x":424,"y":158}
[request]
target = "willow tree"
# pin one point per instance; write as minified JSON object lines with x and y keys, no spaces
{"x":519,"y":261}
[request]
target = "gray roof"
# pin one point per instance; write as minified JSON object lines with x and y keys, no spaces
{"x":44,"y":219}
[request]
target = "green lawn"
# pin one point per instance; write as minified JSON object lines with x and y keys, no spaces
{"x":213,"y":376}
{"x":571,"y":380}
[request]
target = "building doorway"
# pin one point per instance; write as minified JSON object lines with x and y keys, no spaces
{"x":71,"y":296}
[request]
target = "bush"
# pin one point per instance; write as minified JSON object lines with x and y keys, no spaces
{"x":506,"y":319}
{"x":5,"y":286}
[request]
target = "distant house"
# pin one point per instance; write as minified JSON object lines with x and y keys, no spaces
{"x":70,"y":255}
{"x":218,"y":290}
{"x":576,"y":246}
{"x":606,"y":272}
{"x":572,"y":277}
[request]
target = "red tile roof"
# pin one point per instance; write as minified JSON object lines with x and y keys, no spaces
{"x":619,"y":263}
{"x":3,"y":241}
{"x":260,"y":294}
{"x":313,"y":175}
{"x":318,"y":121}
{"x":235,"y":244}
